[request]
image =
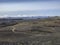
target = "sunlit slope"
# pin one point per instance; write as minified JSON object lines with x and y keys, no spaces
{"x":41,"y":25}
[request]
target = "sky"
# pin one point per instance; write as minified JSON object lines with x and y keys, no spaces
{"x":23,"y":8}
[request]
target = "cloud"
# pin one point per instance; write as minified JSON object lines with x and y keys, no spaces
{"x":24,"y":0}
{"x":29,"y":6}
{"x":32,"y":13}
{"x":29,"y":9}
{"x":4,"y":16}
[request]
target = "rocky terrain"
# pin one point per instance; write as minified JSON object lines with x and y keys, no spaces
{"x":31,"y":32}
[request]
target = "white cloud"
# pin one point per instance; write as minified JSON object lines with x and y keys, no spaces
{"x":1,"y":16}
{"x":29,"y":6}
{"x":4,"y":16}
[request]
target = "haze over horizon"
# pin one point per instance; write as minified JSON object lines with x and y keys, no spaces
{"x":24,"y":8}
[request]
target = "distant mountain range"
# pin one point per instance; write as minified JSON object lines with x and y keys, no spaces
{"x":33,"y":17}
